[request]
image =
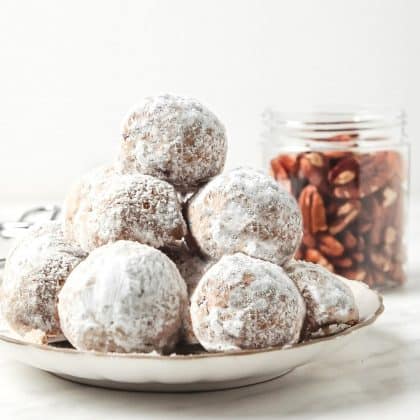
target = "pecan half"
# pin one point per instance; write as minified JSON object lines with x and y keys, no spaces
{"x":375,"y":234}
{"x":353,"y":210}
{"x":349,"y":240}
{"x":311,"y":168}
{"x":289,"y":163}
{"x":344,"y":215}
{"x":313,"y":210}
{"x":314,"y":256}
{"x":316,"y":159}
{"x":277,"y":169}
{"x":342,"y":262}
{"x":280,"y":174}
{"x":344,"y":171}
{"x":330,"y":246}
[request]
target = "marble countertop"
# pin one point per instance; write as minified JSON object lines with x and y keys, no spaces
{"x":377,"y":376}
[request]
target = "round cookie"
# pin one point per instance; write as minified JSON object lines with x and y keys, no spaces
{"x":245,"y":211}
{"x":191,"y":267}
{"x":245,"y":303}
{"x":173,"y":138}
{"x":36,"y":268}
{"x":125,"y":297}
{"x":330,"y":303}
{"x":106,"y":206}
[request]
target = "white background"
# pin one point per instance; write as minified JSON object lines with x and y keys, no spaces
{"x":70,"y":70}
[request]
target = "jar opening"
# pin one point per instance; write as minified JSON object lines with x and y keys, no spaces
{"x":343,"y":126}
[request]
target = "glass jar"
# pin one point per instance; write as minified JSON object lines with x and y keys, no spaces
{"x":348,"y":169}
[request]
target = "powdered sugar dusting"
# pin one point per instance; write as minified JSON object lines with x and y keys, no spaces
{"x":242,"y":302}
{"x":125,"y":297}
{"x":173,"y":138}
{"x":246,"y":211}
{"x":106,"y":206}
{"x":36,"y":268}
{"x":328,"y":299}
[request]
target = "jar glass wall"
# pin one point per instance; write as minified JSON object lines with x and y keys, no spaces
{"x":348,"y":169}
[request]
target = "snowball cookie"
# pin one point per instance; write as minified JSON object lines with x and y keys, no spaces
{"x":329,"y":301}
{"x":36,"y":268}
{"x":245,"y":211}
{"x":106,"y":206}
{"x":175,"y":139}
{"x":191,"y":267}
{"x":245,"y":303}
{"x":125,"y":297}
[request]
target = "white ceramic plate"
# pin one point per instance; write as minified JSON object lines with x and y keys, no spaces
{"x":192,"y":372}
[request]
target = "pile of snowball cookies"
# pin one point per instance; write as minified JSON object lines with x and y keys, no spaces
{"x":161,"y":248}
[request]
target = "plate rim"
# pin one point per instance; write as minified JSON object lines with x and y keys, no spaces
{"x":153,"y":356}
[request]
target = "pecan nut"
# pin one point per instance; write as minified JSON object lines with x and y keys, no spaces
{"x":343,"y":172}
{"x":279,"y":173}
{"x":353,"y":210}
{"x":313,"y":173}
{"x":313,"y":210}
{"x":342,"y":262}
{"x":344,"y":215}
{"x":330,"y":246}
{"x":349,"y":240}
{"x":316,"y":257}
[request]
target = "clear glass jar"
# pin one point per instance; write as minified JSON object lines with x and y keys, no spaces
{"x":348,"y":169}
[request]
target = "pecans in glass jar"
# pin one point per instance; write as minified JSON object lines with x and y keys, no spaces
{"x":351,"y":188}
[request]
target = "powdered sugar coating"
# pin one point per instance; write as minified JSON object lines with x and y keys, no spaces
{"x":192,"y":268}
{"x":173,"y":138}
{"x":125,"y":297}
{"x":246,"y":303}
{"x":106,"y":206}
{"x":245,"y":211}
{"x":329,"y":301}
{"x":36,"y":268}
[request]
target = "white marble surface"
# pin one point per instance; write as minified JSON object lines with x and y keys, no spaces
{"x":378,"y":376}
